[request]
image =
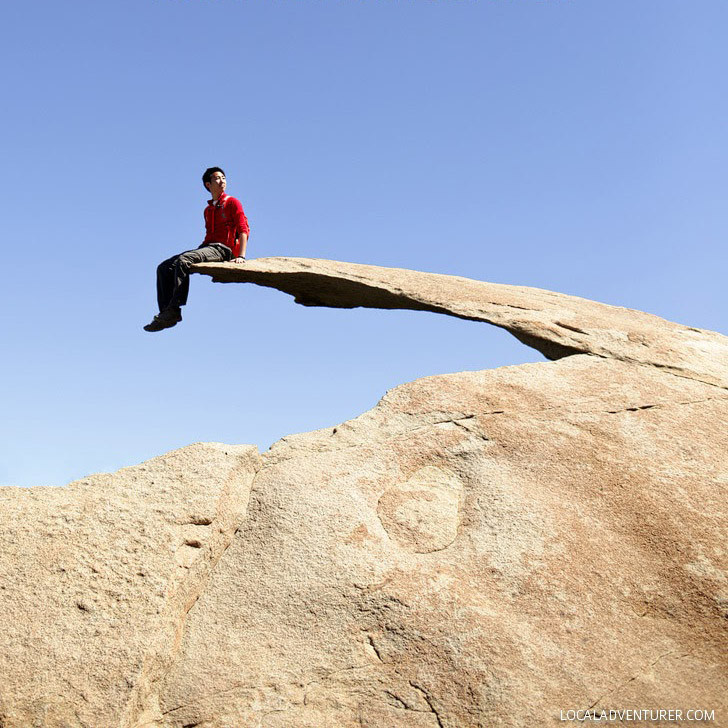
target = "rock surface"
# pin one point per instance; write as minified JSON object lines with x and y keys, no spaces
{"x":480,"y":549}
{"x":553,"y":323}
{"x":96,"y":580}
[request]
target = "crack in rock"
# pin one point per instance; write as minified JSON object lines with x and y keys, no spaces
{"x":621,"y":686}
{"x":207,"y":696}
{"x":429,"y":702}
{"x":143,"y":707}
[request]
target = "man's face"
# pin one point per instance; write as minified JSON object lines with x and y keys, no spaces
{"x":217,"y":184}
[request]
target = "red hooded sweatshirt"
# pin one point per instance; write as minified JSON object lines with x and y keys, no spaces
{"x":224,"y":222}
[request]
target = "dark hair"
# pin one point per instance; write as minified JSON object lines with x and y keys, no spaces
{"x":208,"y":173}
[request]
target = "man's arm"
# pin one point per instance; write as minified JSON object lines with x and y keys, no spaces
{"x":243,"y":241}
{"x":243,"y":230}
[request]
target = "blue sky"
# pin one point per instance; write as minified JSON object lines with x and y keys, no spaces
{"x":574,"y":145}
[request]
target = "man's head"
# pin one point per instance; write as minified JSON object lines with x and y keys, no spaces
{"x":214,"y":181}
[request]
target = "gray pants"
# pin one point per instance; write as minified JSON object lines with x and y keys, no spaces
{"x":173,"y":274}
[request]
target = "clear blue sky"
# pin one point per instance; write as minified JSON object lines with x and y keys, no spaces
{"x":574,"y":145}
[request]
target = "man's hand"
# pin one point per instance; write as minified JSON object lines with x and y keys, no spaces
{"x":239,"y":259}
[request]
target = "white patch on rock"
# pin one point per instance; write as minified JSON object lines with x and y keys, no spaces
{"x":422,"y":514}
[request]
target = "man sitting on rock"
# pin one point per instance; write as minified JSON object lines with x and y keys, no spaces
{"x":227,"y":238}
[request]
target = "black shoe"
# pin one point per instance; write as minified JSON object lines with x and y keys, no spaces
{"x":164,"y":320}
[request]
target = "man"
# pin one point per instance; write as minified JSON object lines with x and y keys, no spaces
{"x":226,"y":239}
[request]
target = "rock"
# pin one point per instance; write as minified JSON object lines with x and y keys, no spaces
{"x":479,"y":549}
{"x":96,"y":580}
{"x":555,"y":324}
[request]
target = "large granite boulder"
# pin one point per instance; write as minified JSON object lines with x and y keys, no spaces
{"x":485,"y":548}
{"x":96,"y":580}
{"x":555,"y":324}
{"x":480,"y":549}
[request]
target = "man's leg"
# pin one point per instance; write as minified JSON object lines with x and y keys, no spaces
{"x":181,"y":269}
{"x":173,"y":282}
{"x":165,"y":282}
